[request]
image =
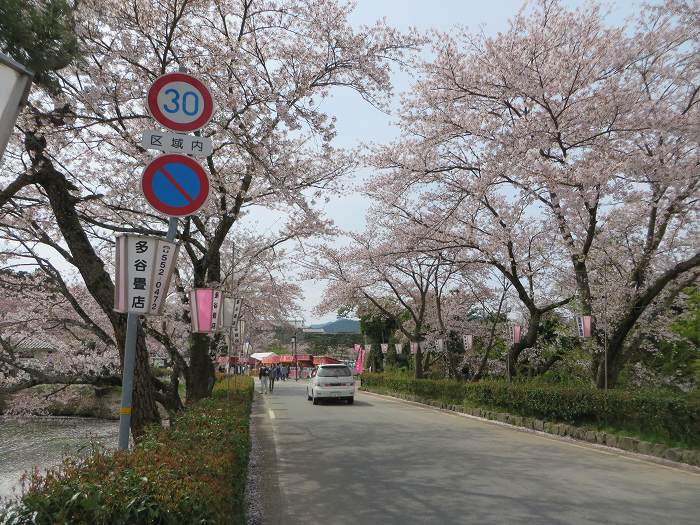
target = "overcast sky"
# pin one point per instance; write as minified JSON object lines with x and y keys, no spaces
{"x":357,"y":121}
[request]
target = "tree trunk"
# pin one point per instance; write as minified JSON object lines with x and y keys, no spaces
{"x":636,"y":308}
{"x":419,"y":362}
{"x":528,"y":341}
{"x":97,"y":280}
{"x":145,"y":410}
{"x":615,"y":366}
{"x":200,"y":375}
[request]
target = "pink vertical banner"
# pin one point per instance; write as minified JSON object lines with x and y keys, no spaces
{"x":584,"y":323}
{"x":359,"y":362}
{"x":515,"y":332}
{"x":587,"y":326}
{"x":202,"y":301}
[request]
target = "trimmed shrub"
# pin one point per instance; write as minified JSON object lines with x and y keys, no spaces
{"x":675,"y":417}
{"x":193,"y":472}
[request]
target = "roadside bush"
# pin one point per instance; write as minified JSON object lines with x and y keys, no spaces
{"x":674,"y":417}
{"x":193,"y":472}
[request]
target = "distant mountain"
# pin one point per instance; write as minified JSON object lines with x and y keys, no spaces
{"x":339,"y":326}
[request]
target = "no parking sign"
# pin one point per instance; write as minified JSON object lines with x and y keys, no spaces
{"x":175,"y":185}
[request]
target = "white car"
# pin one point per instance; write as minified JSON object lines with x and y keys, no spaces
{"x":331,"y":382}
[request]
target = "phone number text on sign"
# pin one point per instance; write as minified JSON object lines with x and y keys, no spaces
{"x":180,"y":102}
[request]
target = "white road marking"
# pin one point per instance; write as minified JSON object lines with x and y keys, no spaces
{"x":272,"y":414}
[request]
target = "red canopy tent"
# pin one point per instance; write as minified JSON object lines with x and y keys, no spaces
{"x":232,"y":360}
{"x":325,"y":360}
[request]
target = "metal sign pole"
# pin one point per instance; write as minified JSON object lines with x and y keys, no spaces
{"x":228,"y":364}
{"x":132,"y":328}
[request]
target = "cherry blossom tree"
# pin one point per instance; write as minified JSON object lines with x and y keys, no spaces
{"x":578,"y":139}
{"x":73,"y":176}
{"x":37,"y":312}
{"x":480,"y":230}
{"x":257,"y":270}
{"x":401,"y":283}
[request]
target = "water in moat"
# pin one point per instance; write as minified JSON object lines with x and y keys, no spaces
{"x":43,"y":442}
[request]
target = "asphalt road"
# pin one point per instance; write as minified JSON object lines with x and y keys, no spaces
{"x":388,"y":462}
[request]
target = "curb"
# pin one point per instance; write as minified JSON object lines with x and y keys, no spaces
{"x":565,"y":439}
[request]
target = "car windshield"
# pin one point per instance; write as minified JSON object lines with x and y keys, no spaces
{"x":335,"y":371}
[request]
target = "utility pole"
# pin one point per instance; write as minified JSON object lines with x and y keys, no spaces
{"x":294,"y":354}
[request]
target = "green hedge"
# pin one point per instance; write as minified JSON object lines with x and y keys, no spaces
{"x":672,"y":416}
{"x":193,"y":472}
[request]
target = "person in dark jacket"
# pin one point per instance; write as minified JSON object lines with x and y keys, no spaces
{"x":272,"y":378}
{"x":264,"y":376}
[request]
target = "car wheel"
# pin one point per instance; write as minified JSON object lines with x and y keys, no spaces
{"x":351,"y":400}
{"x":315,"y":399}
{"x":308,"y":397}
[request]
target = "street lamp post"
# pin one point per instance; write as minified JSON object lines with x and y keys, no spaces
{"x":15,"y":83}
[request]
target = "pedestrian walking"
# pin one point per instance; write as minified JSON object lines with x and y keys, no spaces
{"x":273,"y":375}
{"x":264,"y":376}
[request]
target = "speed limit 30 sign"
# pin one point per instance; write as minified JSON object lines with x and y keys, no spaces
{"x":180,"y":102}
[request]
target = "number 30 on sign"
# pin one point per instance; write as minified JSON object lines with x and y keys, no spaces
{"x":180,"y":102}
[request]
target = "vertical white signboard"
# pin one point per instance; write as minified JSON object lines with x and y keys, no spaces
{"x":143,"y":269}
{"x":231,"y":311}
{"x":166,"y":255}
{"x":468,"y":340}
{"x":216,"y":318}
{"x":238,"y":330}
{"x":140,"y":253}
